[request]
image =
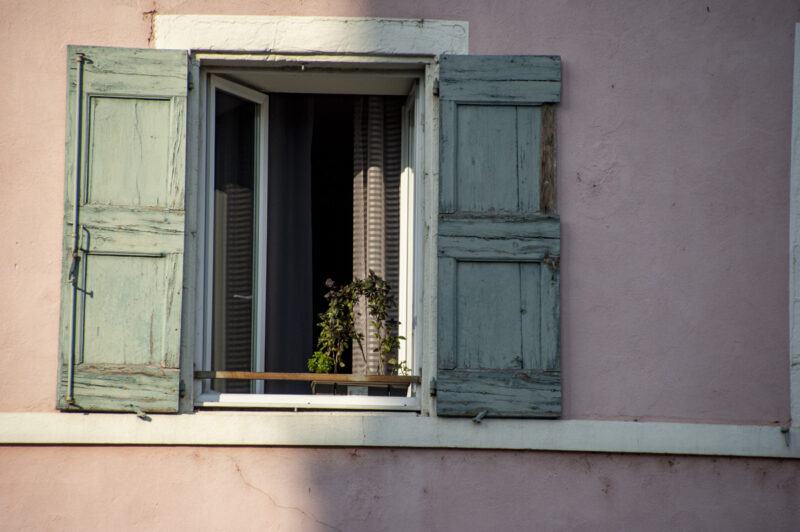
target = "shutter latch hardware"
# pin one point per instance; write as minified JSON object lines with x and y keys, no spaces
{"x":73,"y":268}
{"x":80,"y":58}
{"x":481,"y":415}
{"x":77,"y":254}
{"x":140,"y":413}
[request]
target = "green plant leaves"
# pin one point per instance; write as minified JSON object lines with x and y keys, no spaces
{"x":337,"y":324}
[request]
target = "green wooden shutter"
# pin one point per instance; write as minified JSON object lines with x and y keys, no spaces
{"x":498,"y":245}
{"x":121,"y":291}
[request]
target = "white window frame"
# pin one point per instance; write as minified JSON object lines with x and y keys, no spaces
{"x":206,"y":69}
{"x":260,"y":197}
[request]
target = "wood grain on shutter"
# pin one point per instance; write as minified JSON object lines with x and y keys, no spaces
{"x":131,"y":222}
{"x":498,"y":241}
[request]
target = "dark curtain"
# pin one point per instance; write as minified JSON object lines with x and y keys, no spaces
{"x":289,"y":333}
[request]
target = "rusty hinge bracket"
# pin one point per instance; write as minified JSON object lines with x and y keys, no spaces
{"x":436,"y":87}
{"x":552,"y":263}
{"x":433,"y":387}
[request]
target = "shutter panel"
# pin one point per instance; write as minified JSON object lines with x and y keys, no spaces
{"x":121,"y":293}
{"x":499,"y":241}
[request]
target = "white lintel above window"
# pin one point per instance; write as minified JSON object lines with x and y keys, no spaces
{"x":311,"y":35}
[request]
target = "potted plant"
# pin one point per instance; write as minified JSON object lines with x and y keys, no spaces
{"x":338,"y":332}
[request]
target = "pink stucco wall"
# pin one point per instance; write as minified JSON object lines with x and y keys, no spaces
{"x":673,"y":178}
{"x":383,"y":490}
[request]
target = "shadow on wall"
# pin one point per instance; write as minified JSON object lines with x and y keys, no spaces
{"x":246,"y":488}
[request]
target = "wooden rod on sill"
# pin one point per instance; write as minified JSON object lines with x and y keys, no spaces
{"x":340,"y":378}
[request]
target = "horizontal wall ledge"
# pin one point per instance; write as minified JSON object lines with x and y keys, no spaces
{"x":374,"y":429}
{"x":340,"y":35}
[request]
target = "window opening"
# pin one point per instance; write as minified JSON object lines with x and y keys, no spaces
{"x":332,"y":201}
{"x":328,"y":206}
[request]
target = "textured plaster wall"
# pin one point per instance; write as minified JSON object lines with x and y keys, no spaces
{"x":673,"y":180}
{"x":383,"y":490}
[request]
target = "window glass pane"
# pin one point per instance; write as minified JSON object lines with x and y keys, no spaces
{"x":234,"y":216}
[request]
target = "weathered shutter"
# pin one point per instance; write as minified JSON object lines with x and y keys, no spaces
{"x":498,"y":245}
{"x":121,"y":290}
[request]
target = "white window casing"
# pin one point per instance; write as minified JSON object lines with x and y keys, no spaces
{"x":346,"y":77}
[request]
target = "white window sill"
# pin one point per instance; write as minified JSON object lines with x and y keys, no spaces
{"x":316,"y":402}
{"x":396,"y":430}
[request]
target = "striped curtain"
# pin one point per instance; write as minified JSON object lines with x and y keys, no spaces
{"x":376,"y":210}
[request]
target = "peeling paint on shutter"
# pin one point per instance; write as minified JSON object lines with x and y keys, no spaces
{"x":499,"y":241}
{"x":119,"y":348}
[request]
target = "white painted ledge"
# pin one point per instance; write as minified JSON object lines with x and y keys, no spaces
{"x":346,"y":429}
{"x":311,"y":35}
{"x":326,"y":402}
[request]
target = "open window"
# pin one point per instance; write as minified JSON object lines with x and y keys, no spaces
{"x":266,"y":218}
{"x":309,"y":178}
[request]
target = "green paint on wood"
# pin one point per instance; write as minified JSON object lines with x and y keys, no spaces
{"x":498,"y":333}
{"x":501,"y":393}
{"x":122,"y":320}
{"x":129,"y":151}
{"x":496,"y":249}
{"x":488,"y":315}
{"x":486,"y":158}
{"x":530,"y":312}
{"x":500,"y":79}
{"x":500,"y":68}
{"x":529,"y":128}
{"x":495,"y":225}
{"x":518,"y":92}
{"x":131,"y":222}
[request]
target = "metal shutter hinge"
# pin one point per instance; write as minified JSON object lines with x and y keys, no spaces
{"x":552,"y":263}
